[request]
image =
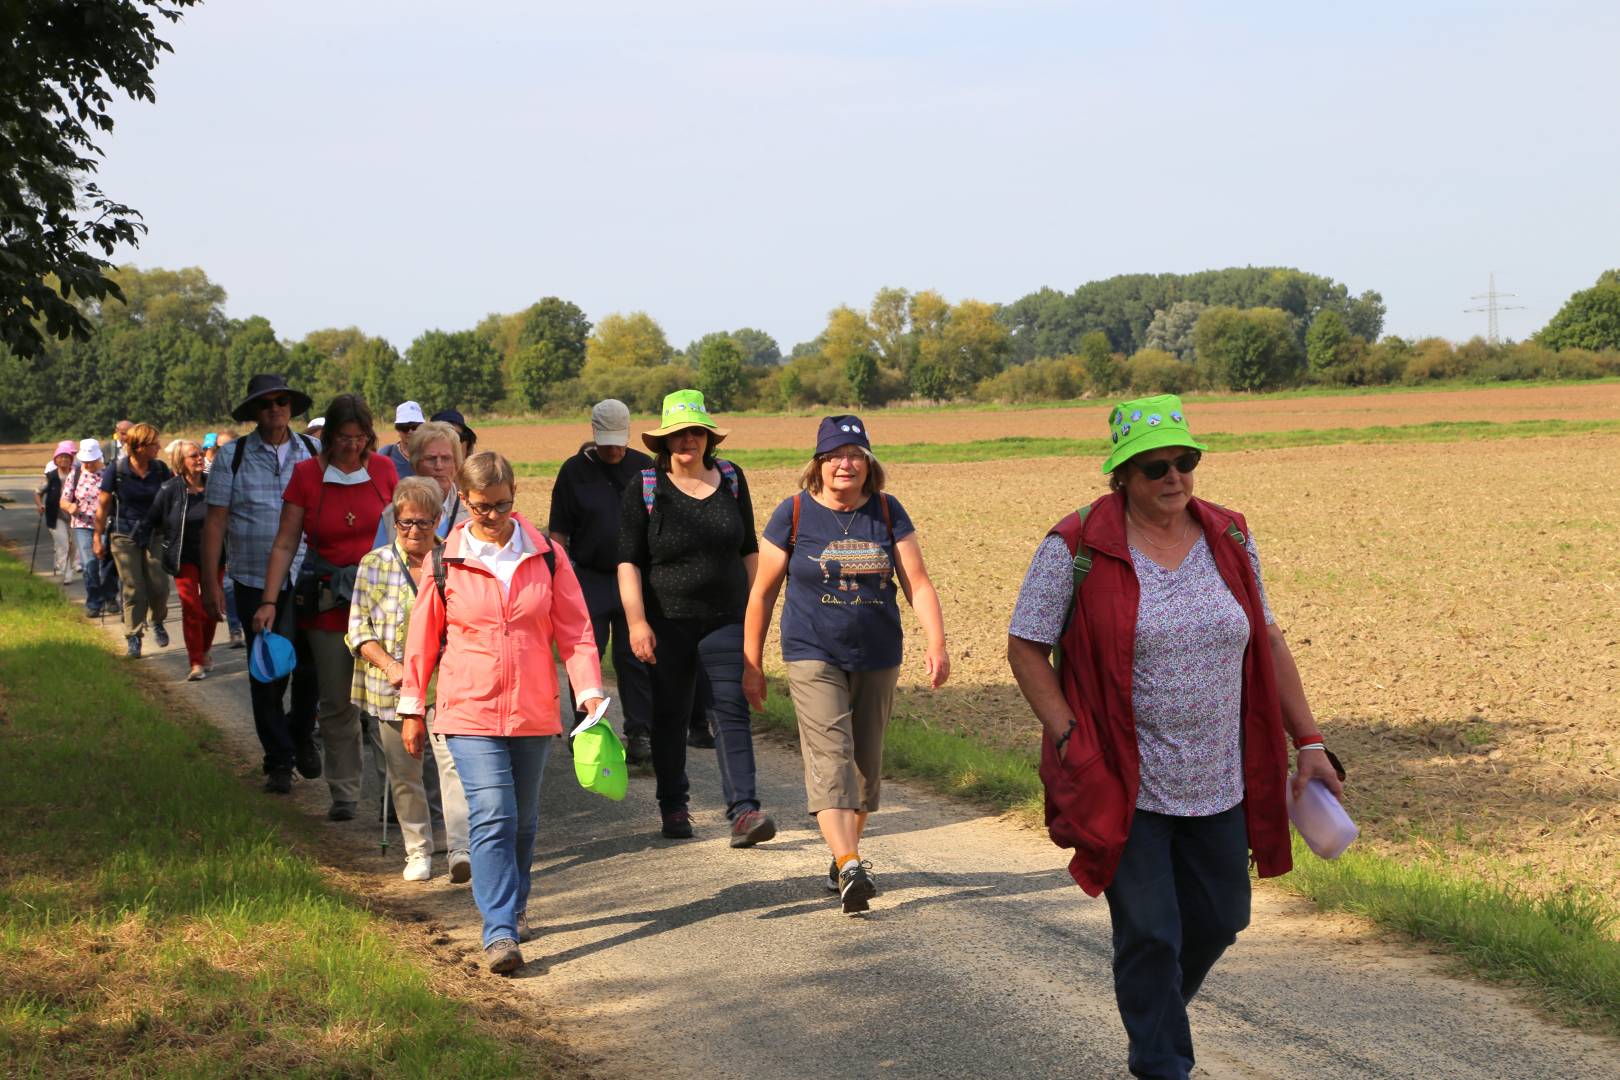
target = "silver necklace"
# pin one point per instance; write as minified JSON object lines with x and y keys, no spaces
{"x":1141,"y":531}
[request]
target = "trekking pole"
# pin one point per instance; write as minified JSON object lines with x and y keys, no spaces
{"x":38,"y":525}
{"x":387,"y":785}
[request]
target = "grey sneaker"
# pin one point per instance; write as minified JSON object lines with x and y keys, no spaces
{"x":341,"y":811}
{"x":160,"y":634}
{"x":503,"y":956}
{"x":132,"y":646}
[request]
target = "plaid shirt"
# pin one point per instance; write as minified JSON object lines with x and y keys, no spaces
{"x":380,"y":611}
{"x":253,"y":494}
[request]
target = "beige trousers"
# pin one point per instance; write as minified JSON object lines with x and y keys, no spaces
{"x":410,"y":797}
{"x":340,"y":719}
{"x":144,"y":585}
{"x":842,"y":717}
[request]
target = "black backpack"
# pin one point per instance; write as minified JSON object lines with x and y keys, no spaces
{"x":236,"y":451}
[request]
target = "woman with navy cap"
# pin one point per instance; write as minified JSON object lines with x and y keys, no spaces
{"x":841,"y":541}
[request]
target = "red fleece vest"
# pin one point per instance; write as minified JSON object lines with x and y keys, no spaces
{"x":1091,"y":791}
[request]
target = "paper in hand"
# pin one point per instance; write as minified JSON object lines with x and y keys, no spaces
{"x":593,"y":719}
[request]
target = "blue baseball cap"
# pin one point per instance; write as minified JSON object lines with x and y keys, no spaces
{"x":210,"y":440}
{"x":836,"y":431}
{"x":272,"y":658}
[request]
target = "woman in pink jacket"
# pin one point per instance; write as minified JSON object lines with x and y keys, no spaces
{"x":507,"y":597}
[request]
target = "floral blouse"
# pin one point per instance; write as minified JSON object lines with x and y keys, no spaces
{"x":85,"y":496}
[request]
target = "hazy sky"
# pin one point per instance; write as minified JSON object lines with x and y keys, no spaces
{"x":402,"y":165}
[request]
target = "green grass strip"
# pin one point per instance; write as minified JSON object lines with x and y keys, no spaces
{"x":1563,"y":948}
{"x":1023,"y":446}
{"x":154,"y":920}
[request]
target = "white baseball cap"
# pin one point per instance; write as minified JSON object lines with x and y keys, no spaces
{"x":318,"y":422}
{"x":610,"y":423}
{"x":409,"y":412}
{"x":90,"y":450}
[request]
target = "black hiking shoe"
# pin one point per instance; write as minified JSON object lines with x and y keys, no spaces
{"x":855,"y":886}
{"x":341,"y":811}
{"x":832,"y":876}
{"x":308,"y":760}
{"x":637,"y":748}
{"x":278,"y":782}
{"x":677,"y":825}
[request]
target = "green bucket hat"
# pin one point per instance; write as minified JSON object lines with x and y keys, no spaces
{"x":1147,"y":424}
{"x":599,"y":761}
{"x":683,"y":409}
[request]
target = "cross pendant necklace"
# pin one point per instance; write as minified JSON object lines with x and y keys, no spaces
{"x":350,"y":518}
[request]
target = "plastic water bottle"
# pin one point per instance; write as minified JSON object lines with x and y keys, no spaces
{"x":1321,"y":821}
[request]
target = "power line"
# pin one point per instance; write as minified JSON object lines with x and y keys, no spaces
{"x":1491,"y":307}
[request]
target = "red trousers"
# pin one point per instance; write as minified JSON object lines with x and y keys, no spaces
{"x":194,"y":621}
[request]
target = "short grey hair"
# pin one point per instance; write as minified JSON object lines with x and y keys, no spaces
{"x":418,"y":493}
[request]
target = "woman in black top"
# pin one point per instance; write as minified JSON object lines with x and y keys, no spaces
{"x":687,"y":553}
{"x":176,"y":520}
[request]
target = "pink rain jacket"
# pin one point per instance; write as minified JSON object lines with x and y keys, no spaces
{"x":497,"y":676}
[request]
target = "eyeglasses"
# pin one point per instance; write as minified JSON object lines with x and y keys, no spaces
{"x":490,"y":509}
{"x":1186,"y":463}
{"x":852,"y":456}
{"x":415,"y":524}
{"x":351,"y":440}
{"x":275,"y":402}
{"x":194,"y":454}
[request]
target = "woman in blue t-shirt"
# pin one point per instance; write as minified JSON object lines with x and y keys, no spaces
{"x":840,"y":542}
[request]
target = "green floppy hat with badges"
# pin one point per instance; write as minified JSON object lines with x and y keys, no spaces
{"x":683,"y":409}
{"x":599,"y":763}
{"x":1149,"y":423}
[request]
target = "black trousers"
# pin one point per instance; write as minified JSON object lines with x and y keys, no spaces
{"x":607,"y":616}
{"x":281,"y":731}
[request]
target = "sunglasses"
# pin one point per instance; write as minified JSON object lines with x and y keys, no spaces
{"x":275,"y":402}
{"x":1155,"y":470}
{"x":414,"y":524}
{"x":491,"y":509}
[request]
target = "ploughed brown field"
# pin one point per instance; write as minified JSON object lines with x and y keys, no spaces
{"x":1455,"y":610}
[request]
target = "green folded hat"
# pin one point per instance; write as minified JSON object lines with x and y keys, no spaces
{"x":683,"y":409}
{"x":599,"y":761}
{"x":1147,"y":424}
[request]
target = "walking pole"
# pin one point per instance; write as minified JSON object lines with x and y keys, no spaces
{"x":387,"y":786}
{"x":38,"y":525}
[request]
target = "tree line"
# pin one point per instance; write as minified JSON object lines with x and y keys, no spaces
{"x":162,"y":349}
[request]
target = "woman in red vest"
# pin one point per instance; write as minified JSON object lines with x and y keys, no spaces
{"x":1164,"y":756}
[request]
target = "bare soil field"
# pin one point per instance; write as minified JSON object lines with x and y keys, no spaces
{"x":1453,"y":608}
{"x":553,"y":442}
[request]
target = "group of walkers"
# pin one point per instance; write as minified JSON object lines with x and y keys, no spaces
{"x":427,"y":616}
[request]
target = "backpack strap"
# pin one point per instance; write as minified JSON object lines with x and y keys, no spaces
{"x":438,"y":583}
{"x":1235,"y":534}
{"x":888,"y":518}
{"x":728,"y":475}
{"x":309,"y":444}
{"x":793,"y":532}
{"x":238,"y":445}
{"x":1081,"y":567}
{"x":649,"y":487}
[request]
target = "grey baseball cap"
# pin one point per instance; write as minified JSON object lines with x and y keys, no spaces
{"x":610,"y":423}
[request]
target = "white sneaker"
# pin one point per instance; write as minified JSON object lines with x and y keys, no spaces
{"x":419,"y":868}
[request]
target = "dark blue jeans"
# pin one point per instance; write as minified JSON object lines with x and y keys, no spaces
{"x":281,"y":731}
{"x":1179,"y":898}
{"x":100,"y":578}
{"x":684,"y":647}
{"x":501,"y":777}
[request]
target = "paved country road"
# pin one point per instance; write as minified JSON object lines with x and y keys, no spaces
{"x":980,"y":957}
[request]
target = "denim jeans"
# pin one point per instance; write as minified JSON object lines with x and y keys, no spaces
{"x":1179,"y":898}
{"x":281,"y":731}
{"x":501,"y":777}
{"x":100,"y":580}
{"x":686,"y":648}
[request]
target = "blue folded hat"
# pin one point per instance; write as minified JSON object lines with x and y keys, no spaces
{"x":271,"y":658}
{"x":836,"y":431}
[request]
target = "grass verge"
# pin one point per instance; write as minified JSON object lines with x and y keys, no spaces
{"x":1563,"y":949}
{"x":153,"y":919}
{"x":1023,"y":446}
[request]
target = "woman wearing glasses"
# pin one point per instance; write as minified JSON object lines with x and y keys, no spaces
{"x":333,"y":502}
{"x":176,"y":520}
{"x":507,"y":597}
{"x":1164,"y":753}
{"x":840,"y":542}
{"x":385,"y":589}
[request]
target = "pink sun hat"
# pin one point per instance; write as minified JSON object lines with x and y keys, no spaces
{"x":66,"y":446}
